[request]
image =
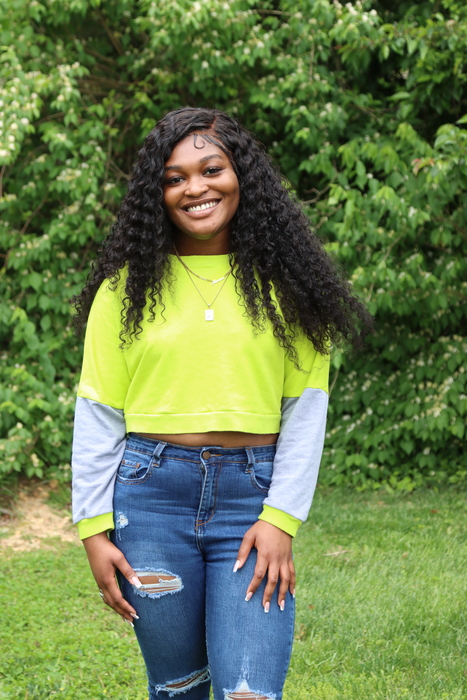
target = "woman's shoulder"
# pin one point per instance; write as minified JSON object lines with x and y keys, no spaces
{"x":111,"y":292}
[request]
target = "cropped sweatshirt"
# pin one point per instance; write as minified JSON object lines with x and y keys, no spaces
{"x":186,"y":374}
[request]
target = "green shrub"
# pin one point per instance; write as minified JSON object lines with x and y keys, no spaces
{"x":363,"y":107}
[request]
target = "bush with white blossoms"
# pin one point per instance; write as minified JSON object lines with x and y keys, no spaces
{"x":363,"y":108}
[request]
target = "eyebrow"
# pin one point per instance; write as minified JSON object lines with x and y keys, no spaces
{"x":201,"y":160}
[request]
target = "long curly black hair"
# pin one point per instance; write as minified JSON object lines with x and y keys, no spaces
{"x":271,"y":244}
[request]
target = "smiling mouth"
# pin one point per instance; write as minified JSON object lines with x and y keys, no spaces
{"x":202,"y":207}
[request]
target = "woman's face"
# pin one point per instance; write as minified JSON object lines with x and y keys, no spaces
{"x":201,"y":195}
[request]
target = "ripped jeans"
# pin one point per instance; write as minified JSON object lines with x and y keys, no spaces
{"x":180,"y":516}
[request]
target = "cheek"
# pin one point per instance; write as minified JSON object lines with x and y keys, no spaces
{"x":169,"y":206}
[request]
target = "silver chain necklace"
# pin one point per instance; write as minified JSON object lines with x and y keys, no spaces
{"x":205,"y":279}
{"x":209,"y":312}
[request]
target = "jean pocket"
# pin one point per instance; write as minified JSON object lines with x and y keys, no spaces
{"x":261,"y":476}
{"x":134,"y":468}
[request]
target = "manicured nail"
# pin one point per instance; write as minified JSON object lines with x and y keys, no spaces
{"x":237,"y":564}
{"x":266,"y":607}
{"x":129,"y":622}
{"x":282,"y":605}
{"x":248,"y":596}
{"x":293,"y":593}
{"x":136,"y":582}
{"x":134,"y":616}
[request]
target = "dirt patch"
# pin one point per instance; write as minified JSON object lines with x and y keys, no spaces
{"x":32,"y":523}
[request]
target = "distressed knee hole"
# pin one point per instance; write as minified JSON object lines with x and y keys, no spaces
{"x":156,"y":583}
{"x":243,"y":692}
{"x":181,"y":685}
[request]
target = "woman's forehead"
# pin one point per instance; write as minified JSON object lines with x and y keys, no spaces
{"x":195,"y":147}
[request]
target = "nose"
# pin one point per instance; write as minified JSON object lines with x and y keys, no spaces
{"x":195,"y":187}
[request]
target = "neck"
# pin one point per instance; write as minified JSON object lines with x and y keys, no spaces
{"x":218,"y":245}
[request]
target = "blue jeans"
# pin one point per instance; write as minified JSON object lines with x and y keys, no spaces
{"x":180,"y":516}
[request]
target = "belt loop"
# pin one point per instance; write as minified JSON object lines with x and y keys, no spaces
{"x":251,"y":460}
{"x":156,"y":456}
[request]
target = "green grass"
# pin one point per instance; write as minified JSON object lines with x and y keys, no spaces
{"x":386,"y":619}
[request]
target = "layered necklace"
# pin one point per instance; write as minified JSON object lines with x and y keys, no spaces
{"x":209,"y":312}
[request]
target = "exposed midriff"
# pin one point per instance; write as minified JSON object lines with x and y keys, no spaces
{"x":218,"y":438}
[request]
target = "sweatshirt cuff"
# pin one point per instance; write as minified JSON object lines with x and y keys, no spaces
{"x":280,"y":519}
{"x":92,"y":526}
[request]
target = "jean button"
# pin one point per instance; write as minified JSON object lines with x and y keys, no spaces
{"x":206,"y":454}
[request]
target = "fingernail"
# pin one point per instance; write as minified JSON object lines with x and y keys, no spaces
{"x":129,"y":622}
{"x":134,"y":616}
{"x":282,"y":605}
{"x":293,"y":593}
{"x":248,"y":596}
{"x":136,"y":582}
{"x":237,"y":564}
{"x":266,"y":607}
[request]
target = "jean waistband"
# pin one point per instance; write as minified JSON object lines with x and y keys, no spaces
{"x":204,"y":453}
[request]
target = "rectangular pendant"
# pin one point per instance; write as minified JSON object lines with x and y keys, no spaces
{"x":209,"y":315}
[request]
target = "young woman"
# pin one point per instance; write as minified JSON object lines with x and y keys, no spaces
{"x":201,"y":409}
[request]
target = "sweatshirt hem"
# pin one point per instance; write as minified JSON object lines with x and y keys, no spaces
{"x":202,"y":423}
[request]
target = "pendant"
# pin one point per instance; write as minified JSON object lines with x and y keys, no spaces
{"x":209,"y":315}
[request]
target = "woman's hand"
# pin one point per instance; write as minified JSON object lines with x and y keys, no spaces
{"x":105,"y":558}
{"x":274,"y":558}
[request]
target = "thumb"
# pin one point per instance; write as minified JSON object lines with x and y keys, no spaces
{"x":128,"y":572}
{"x":244,"y":550}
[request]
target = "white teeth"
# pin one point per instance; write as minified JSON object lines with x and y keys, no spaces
{"x":200,"y":207}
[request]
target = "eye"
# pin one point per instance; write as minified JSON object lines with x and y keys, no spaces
{"x":173,"y":180}
{"x":212,"y":171}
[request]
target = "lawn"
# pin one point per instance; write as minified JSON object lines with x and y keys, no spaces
{"x":381,"y":609}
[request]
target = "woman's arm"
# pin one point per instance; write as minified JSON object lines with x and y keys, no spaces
{"x":98,"y":445}
{"x":296,"y":466}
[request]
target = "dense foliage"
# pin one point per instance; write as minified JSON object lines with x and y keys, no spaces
{"x":364,"y":108}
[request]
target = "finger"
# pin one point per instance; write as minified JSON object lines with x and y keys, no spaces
{"x":273,"y":578}
{"x":244,"y":551}
{"x":293,"y":578}
{"x":284,"y":586}
{"x":259,"y":574}
{"x":114,"y":599}
{"x":127,"y":571}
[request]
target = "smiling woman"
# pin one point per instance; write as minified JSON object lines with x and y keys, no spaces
{"x":201,"y":442}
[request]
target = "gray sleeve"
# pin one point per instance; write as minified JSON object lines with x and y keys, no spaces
{"x":99,"y":440}
{"x":298,"y":454}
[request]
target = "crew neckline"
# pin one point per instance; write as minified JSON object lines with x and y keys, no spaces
{"x":202,"y":257}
